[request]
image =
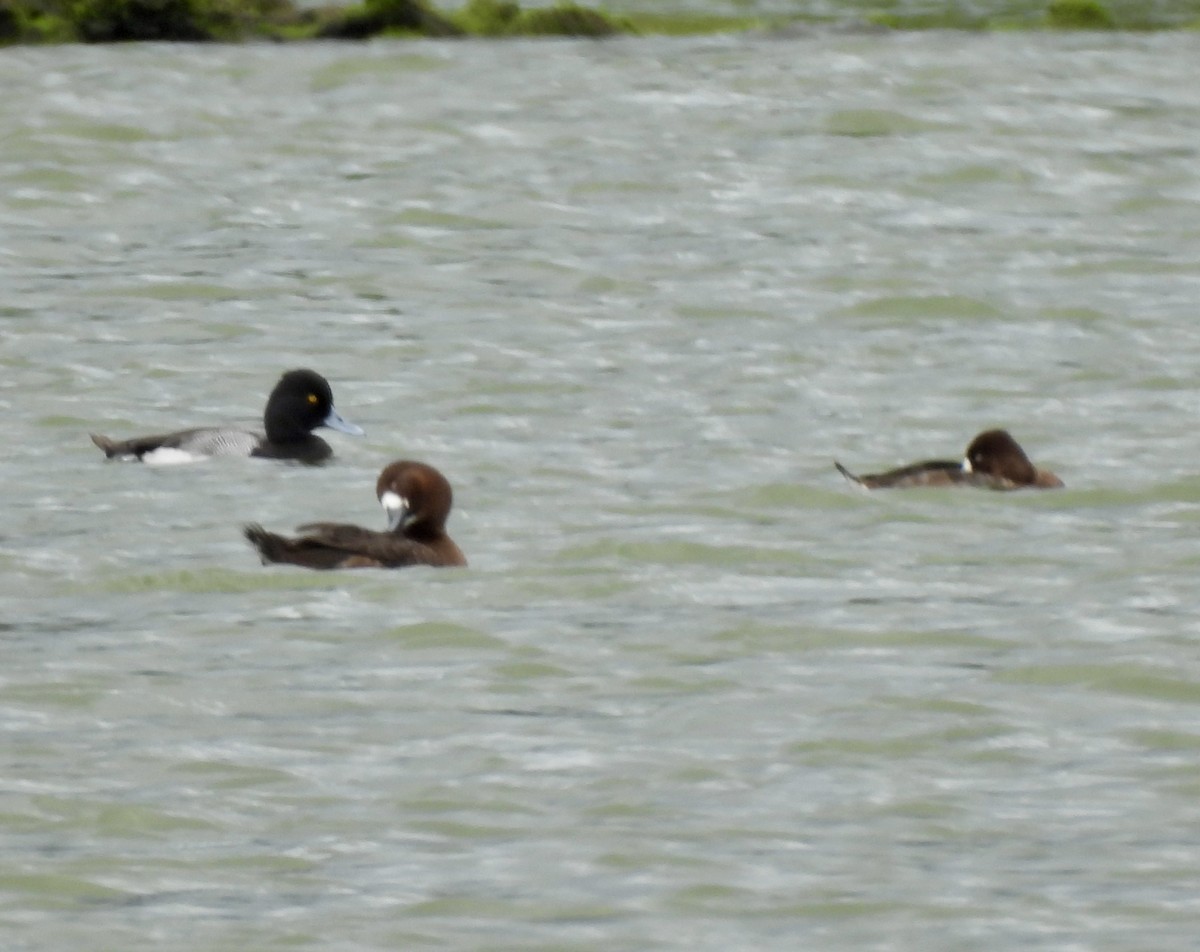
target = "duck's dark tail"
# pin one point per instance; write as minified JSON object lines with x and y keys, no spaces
{"x":111,"y":447}
{"x":139,"y":446}
{"x":270,"y":546}
{"x":849,"y":475}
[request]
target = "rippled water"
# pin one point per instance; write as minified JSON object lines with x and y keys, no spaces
{"x":633,"y":298}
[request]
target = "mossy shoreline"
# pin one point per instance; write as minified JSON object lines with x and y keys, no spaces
{"x":228,"y":21}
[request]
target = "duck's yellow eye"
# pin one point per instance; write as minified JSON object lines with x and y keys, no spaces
{"x":313,"y":399}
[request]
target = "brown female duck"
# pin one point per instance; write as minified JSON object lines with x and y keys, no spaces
{"x":417,"y":500}
{"x":994,"y":460}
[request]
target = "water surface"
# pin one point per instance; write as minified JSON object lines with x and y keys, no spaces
{"x":633,"y":298}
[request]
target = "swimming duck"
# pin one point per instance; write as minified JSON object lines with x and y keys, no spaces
{"x":301,"y":401}
{"x":415,"y":497}
{"x":994,"y":460}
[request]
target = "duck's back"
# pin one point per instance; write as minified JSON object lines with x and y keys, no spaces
{"x":193,"y":444}
{"x":331,"y":545}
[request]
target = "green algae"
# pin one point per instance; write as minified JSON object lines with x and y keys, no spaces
{"x":1072,"y":15}
{"x":1079,"y":15}
{"x":111,"y":21}
{"x":492,"y":18}
{"x":388,"y":18}
{"x":691,"y":23}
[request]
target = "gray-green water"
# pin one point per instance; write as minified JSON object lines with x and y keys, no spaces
{"x":633,"y":298}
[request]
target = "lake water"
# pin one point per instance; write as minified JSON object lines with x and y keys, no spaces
{"x":633,"y":298}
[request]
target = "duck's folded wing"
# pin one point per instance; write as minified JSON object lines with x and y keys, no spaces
{"x":932,"y":472}
{"x":217,"y":441}
{"x":337,"y":535}
{"x":330,"y":546}
{"x":200,"y":442}
{"x":370,"y":547}
{"x":139,"y":446}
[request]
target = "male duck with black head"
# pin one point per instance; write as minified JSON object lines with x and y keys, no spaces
{"x":994,"y":460}
{"x":301,"y":402}
{"x":416,"y":499}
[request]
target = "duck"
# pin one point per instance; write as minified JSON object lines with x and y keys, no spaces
{"x":993,"y":460}
{"x":416,"y":498}
{"x":301,"y":402}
